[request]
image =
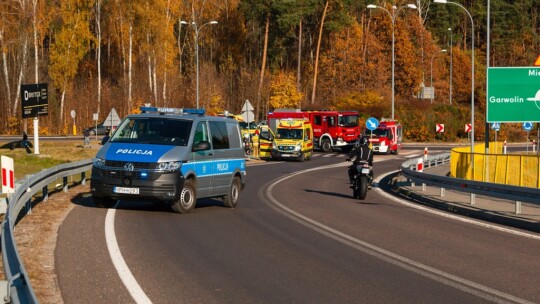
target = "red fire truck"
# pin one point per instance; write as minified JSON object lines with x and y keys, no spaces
{"x":386,"y":138}
{"x":331,"y":129}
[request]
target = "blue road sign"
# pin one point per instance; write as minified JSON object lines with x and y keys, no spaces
{"x":372,"y":123}
{"x":495,"y":126}
{"x":527,"y":126}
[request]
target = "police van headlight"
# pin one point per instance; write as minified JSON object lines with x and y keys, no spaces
{"x":297,"y":148}
{"x":169,"y":166}
{"x":99,"y":162}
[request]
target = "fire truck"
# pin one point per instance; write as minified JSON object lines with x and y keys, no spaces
{"x":386,"y":138}
{"x":331,"y":129}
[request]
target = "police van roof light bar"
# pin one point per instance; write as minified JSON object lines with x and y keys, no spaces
{"x":172,"y":110}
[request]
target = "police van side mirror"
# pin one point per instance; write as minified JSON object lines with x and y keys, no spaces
{"x":201,"y":146}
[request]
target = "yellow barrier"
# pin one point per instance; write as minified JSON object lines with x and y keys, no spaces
{"x":495,"y":167}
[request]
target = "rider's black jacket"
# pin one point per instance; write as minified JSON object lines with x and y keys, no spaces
{"x":362,"y":152}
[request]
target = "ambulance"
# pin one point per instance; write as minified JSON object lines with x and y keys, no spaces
{"x":290,"y":139}
{"x":172,"y":156}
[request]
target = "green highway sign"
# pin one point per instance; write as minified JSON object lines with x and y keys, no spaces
{"x":513,"y":94}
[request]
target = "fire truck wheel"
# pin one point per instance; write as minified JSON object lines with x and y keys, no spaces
{"x":396,"y":152}
{"x":326,"y":147}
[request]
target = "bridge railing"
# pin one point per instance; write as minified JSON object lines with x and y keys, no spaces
{"x":510,"y":192}
{"x":17,"y":288}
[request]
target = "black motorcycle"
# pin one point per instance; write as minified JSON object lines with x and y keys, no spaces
{"x":361,"y":180}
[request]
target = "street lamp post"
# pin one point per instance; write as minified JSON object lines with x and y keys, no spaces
{"x":451,"y":59}
{"x":431,"y":75}
{"x":472,"y":75}
{"x":393,"y":16}
{"x":197,"y":30}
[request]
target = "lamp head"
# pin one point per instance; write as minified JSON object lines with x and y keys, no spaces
{"x":213,"y":22}
{"x":371,"y":6}
{"x":440,"y":1}
{"x":443,"y":51}
{"x":183,"y":22}
{"x":412,"y":6}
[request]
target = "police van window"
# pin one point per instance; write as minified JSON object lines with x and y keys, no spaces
{"x":235,"y":140}
{"x":220,"y":137}
{"x":172,"y":131}
{"x":201,"y":133}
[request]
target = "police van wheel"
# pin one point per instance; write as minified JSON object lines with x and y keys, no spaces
{"x":302,"y":157}
{"x":187,"y":199}
{"x":104,"y":202}
{"x":231,"y":199}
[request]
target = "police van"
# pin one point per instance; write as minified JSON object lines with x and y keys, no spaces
{"x":170,"y":155}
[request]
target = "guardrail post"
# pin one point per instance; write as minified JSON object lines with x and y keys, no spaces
{"x":65,"y":183}
{"x":28,"y":207}
{"x":442,"y":192}
{"x":45,"y":192}
{"x":83,"y":178}
{"x":518,"y":207}
{"x":473,"y":196}
{"x":423,"y":187}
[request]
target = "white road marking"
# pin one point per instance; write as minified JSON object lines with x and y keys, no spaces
{"x":385,"y":255}
{"x":122,"y":269}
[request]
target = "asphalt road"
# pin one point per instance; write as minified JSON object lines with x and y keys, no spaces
{"x":302,"y":239}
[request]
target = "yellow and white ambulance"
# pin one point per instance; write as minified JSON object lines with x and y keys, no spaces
{"x":287,"y":139}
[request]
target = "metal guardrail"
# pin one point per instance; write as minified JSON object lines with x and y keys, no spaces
{"x":515,"y":193}
{"x":19,"y":289}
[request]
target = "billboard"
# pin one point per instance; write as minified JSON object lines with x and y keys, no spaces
{"x":34,"y":100}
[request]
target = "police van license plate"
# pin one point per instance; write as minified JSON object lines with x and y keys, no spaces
{"x":125,"y":190}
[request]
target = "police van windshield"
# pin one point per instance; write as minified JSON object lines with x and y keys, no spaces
{"x":348,"y":121}
{"x":161,"y":131}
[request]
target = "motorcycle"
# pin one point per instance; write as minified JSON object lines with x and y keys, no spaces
{"x":361,"y":180}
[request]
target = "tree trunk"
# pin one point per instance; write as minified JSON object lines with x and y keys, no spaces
{"x":299,"y":64}
{"x":6,"y":72}
{"x":21,"y":76}
{"x":36,"y":50}
{"x":317,"y":55}
{"x":263,"y":67}
{"x":98,"y":27}
{"x":130,"y":67}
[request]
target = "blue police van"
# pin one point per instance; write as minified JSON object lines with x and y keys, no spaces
{"x":170,"y":155}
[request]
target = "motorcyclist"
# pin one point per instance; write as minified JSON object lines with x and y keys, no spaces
{"x":360,"y":152}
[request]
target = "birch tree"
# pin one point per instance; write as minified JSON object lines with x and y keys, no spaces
{"x":70,"y":45}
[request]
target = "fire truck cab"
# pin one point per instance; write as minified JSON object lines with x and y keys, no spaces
{"x":386,"y":138}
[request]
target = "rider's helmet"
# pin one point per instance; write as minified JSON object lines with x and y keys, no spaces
{"x":364,"y":141}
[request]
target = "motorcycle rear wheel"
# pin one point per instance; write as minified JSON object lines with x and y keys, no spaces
{"x":362,"y":187}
